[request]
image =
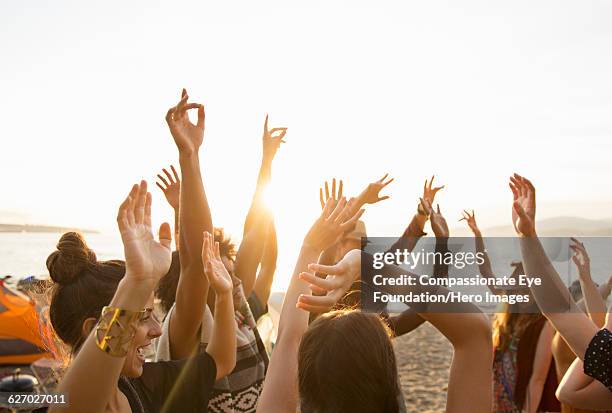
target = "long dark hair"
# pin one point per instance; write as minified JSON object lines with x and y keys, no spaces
{"x":346,"y":363}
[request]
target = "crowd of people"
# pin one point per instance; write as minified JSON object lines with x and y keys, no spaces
{"x":202,"y":350}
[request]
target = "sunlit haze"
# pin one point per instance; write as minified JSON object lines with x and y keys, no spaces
{"x":471,"y":91}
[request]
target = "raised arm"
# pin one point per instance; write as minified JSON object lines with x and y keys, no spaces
{"x":468,"y":330}
{"x":222,"y":345}
{"x":552,"y":296}
{"x":263,"y":284}
{"x":541,"y":366}
{"x":280,"y":393}
{"x":259,"y":217}
{"x":410,"y":319}
{"x":595,"y":305}
{"x":146,"y":261}
{"x":194,"y":219}
{"x":415,"y":229}
{"x":485,"y":268}
{"x":171,"y":187}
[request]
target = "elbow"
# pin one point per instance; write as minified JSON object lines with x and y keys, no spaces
{"x":480,"y":335}
{"x":225,"y":364}
{"x":562,"y":395}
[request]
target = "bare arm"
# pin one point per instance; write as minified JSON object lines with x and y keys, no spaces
{"x":468,"y":330}
{"x":409,"y":319}
{"x":581,"y":391}
{"x":222,"y":345}
{"x":280,"y":392}
{"x":595,"y":305}
{"x":541,"y":366}
{"x":551,"y":295}
{"x":263,"y":284}
{"x":146,"y":262}
{"x":258,"y":218}
{"x":194,"y":219}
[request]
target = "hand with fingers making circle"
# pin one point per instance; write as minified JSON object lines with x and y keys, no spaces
{"x":334,"y":196}
{"x":471,"y":221}
{"x":187,"y":136}
{"x":371,"y":194}
{"x":171,"y":187}
{"x":271,"y":140}
{"x":523,"y":205}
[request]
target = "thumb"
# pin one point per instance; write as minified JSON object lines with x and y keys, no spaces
{"x":165,"y":235}
{"x":520,"y":211}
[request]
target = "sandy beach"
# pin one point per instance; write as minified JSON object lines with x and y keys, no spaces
{"x":423,"y":359}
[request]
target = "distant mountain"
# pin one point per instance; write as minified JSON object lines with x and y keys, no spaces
{"x":41,"y":228}
{"x":555,"y":227}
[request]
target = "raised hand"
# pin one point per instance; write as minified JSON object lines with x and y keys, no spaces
{"x":370,"y":195}
{"x":187,"y":136}
{"x":272,"y":139}
{"x":523,"y":206}
{"x":334,"y":196}
{"x":340,"y":278}
{"x":437,"y":221}
{"x":581,"y":258}
{"x":214,"y":269}
{"x":334,"y":221}
{"x":146,"y":260}
{"x":471,"y":221}
{"x":171,"y":187}
{"x":429,"y":192}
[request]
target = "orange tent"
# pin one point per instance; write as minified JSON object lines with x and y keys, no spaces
{"x":20,"y":332}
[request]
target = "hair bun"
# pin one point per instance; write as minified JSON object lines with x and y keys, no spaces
{"x":70,"y":259}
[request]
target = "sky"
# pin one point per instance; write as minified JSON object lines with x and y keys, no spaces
{"x":470,"y":91}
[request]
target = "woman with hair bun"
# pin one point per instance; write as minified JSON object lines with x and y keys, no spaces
{"x":103,"y":311}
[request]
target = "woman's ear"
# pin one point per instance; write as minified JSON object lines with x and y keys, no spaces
{"x":87,"y":326}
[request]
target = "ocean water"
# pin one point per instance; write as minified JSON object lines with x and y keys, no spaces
{"x":24,"y":253}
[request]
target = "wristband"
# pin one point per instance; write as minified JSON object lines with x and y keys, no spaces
{"x":116,"y":329}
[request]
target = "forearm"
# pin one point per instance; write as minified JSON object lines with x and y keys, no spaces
{"x":554,"y":299}
{"x":257,"y":203}
{"x":534,"y":394}
{"x":250,"y":253}
{"x":411,"y":235}
{"x":263,"y":284}
{"x":409,"y":320}
{"x":192,"y":289}
{"x":280,"y":393}
{"x":485,"y":268}
{"x":89,"y":392}
{"x":176,"y":229}
{"x":194,"y":215}
{"x":581,"y":391}
{"x":595,"y":305}
{"x":222,"y":345}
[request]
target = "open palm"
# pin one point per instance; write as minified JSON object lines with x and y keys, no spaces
{"x":470,"y":219}
{"x":370,"y":194}
{"x":214,"y":269}
{"x":524,"y":205}
{"x":146,"y":260}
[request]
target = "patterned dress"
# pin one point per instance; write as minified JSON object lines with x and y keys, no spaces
{"x":504,"y":378}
